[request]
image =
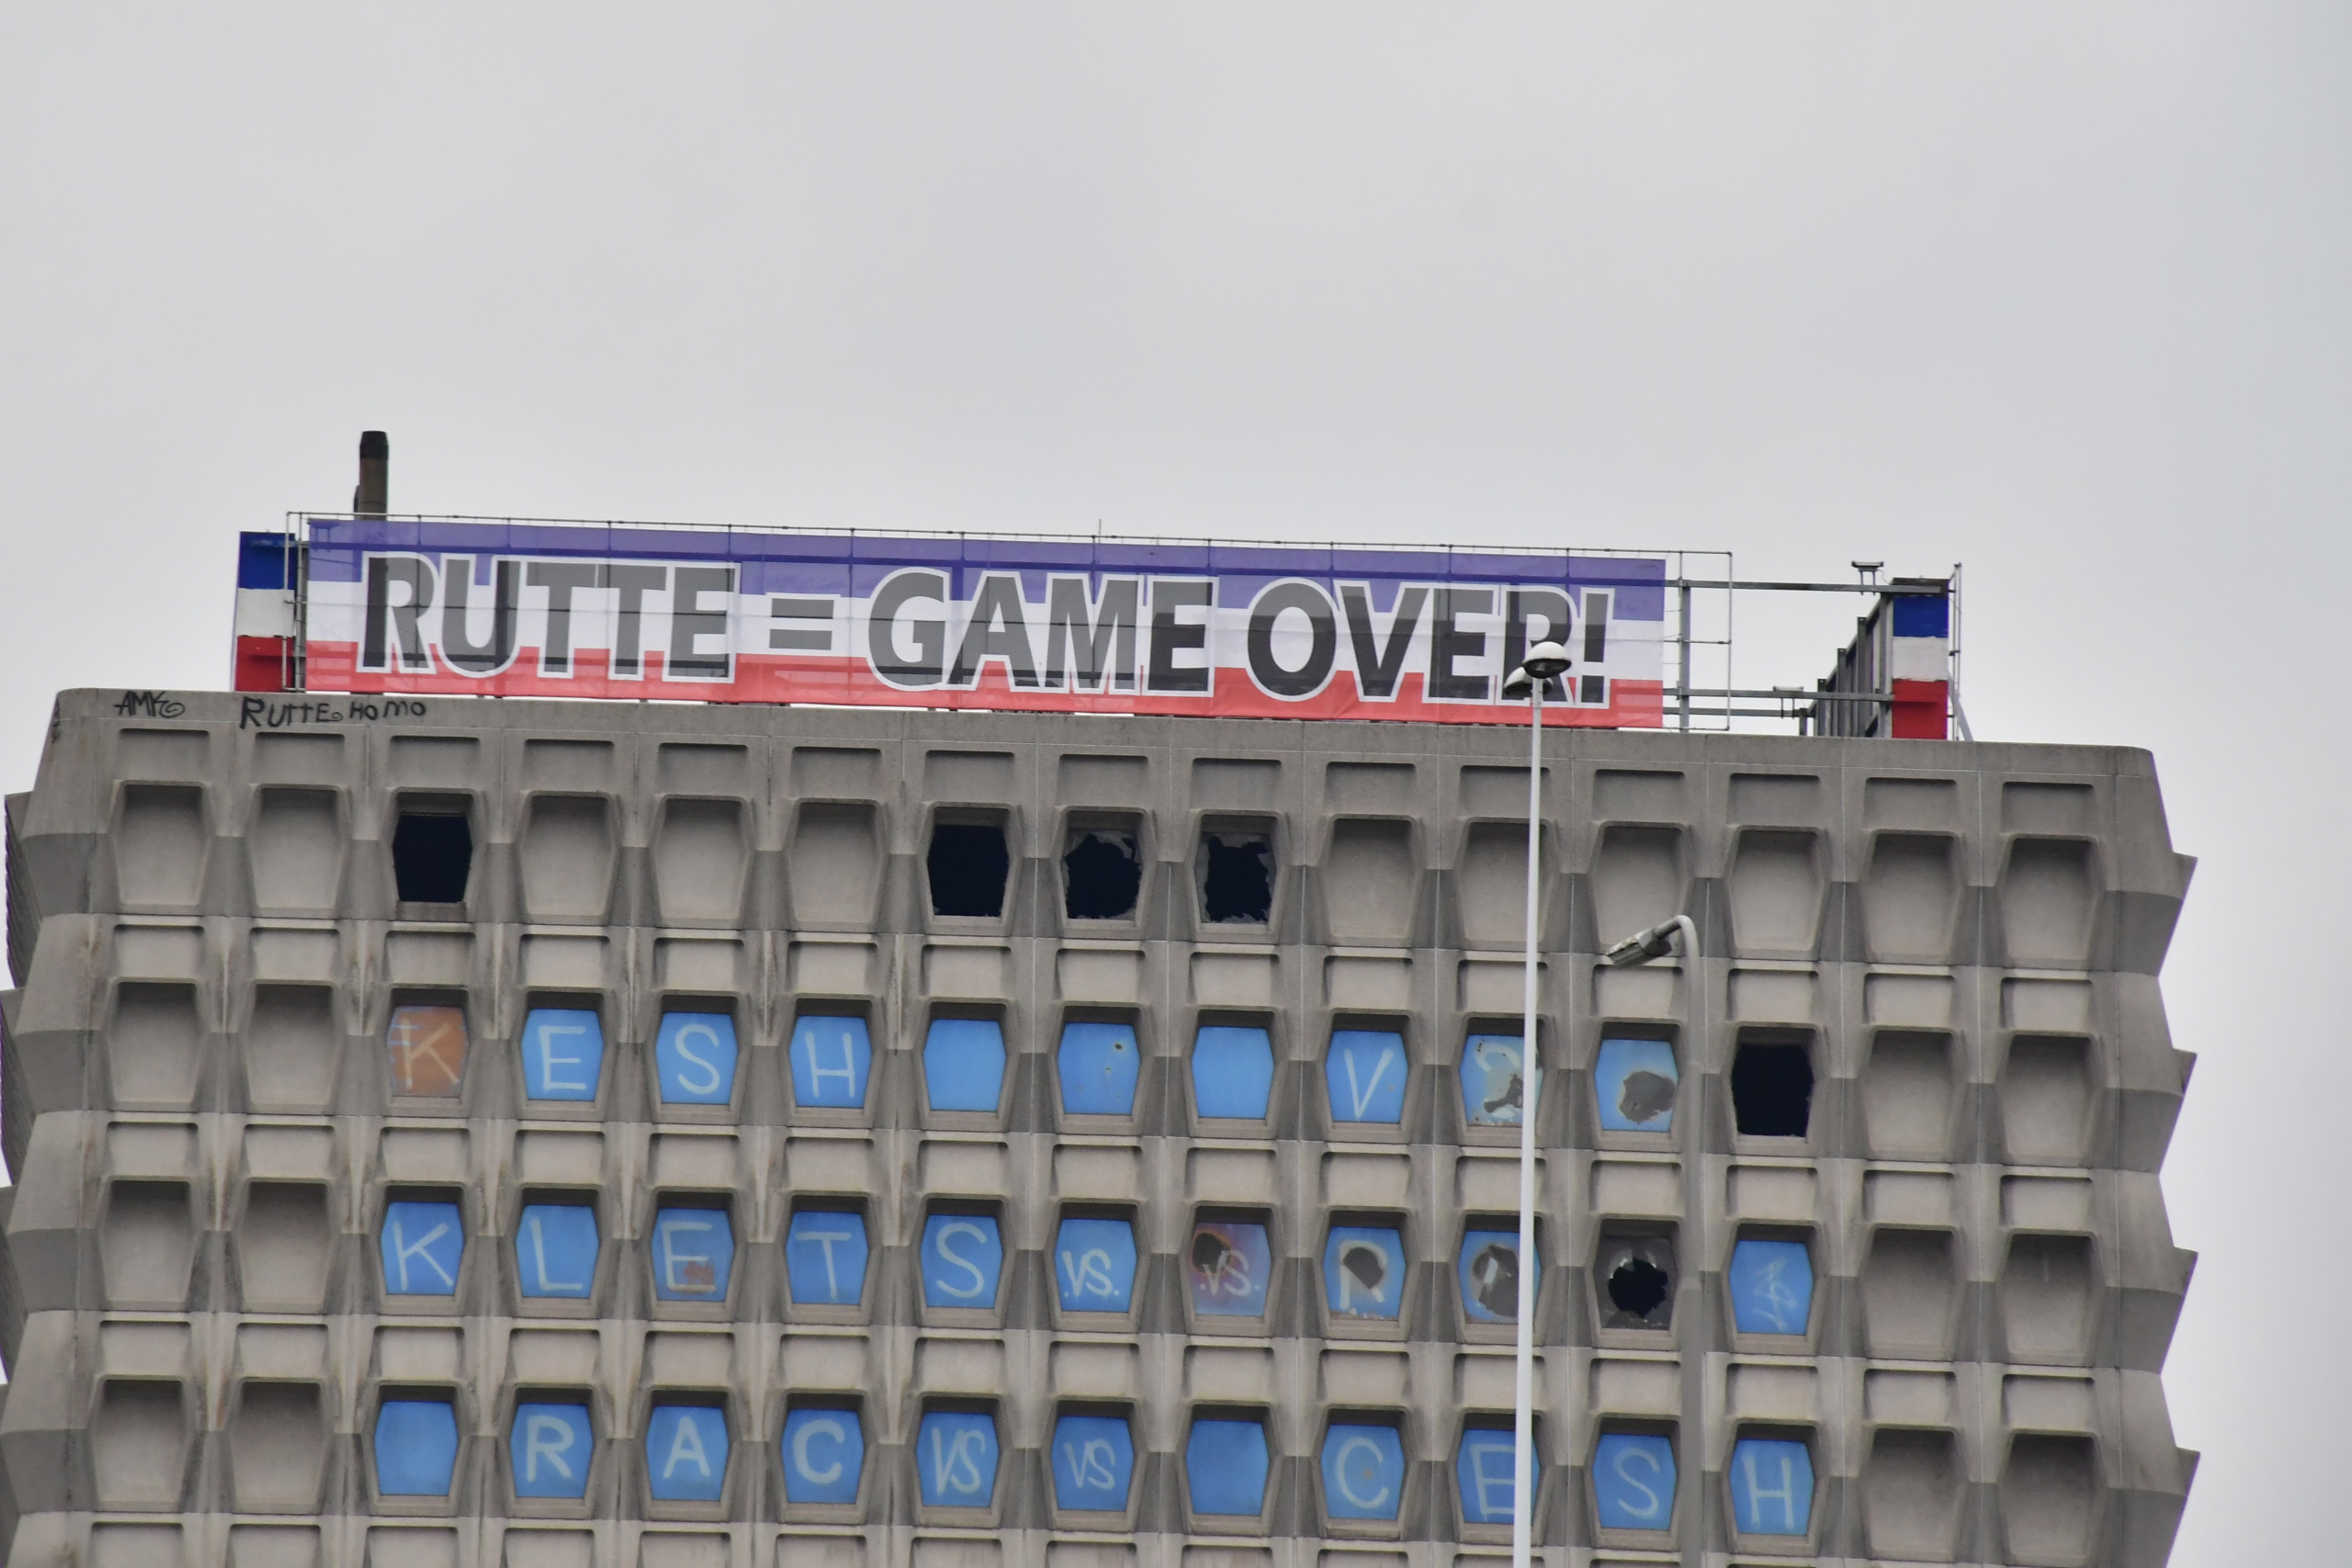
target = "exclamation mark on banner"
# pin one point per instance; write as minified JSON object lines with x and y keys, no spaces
{"x":1593,"y":690}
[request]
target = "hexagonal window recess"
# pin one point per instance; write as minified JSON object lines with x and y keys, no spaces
{"x":1225,"y":1467}
{"x":824,"y":1455}
{"x":685,"y":1452}
{"x":1233,"y":1071}
{"x":551,"y":1448}
{"x":1363,"y":1074}
{"x":1098,"y":1064}
{"x":1363,"y":1471}
{"x":1493,"y":1084}
{"x":1095,"y":1264}
{"x":1364,"y":1272}
{"x":1771,"y":1486}
{"x":1632,"y":1480}
{"x":1228,"y":1265}
{"x":831,"y":1058}
{"x":1489,"y":1268}
{"x":1635,"y":1275}
{"x":955,"y":1459}
{"x":1094,"y":1463}
{"x":1636,"y":1082}
{"x":963,"y":1260}
{"x":963,"y":1064}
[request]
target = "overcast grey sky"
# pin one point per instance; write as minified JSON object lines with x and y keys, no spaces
{"x":2058,"y":290}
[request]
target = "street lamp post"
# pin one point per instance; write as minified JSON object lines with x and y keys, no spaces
{"x":1544,"y":661}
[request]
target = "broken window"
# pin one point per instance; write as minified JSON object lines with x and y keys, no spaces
{"x":1492,"y":1083}
{"x":968,"y":865}
{"x":1771,"y":1089}
{"x":1489,"y":1267}
{"x":432,"y":855}
{"x":1101,"y":875}
{"x":1637,"y":1278}
{"x":1228,"y":1265}
{"x":1635,"y":1083}
{"x":1236,"y":877}
{"x":1364,"y":1272}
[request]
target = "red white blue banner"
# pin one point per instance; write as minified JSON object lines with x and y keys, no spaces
{"x":1044,"y":624}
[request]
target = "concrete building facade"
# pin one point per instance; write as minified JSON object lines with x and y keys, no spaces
{"x":458,"y":1134}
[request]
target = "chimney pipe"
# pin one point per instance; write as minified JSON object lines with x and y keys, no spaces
{"x":375,"y":474}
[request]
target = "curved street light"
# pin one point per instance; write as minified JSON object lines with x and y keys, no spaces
{"x":1545,"y":662}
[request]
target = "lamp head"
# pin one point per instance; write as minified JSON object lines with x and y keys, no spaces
{"x":1641,"y":946}
{"x":1545,"y":659}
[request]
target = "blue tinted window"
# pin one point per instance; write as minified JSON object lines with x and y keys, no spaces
{"x":1485,"y":1469}
{"x":1771,"y":1486}
{"x":1633,"y":1481}
{"x":424,"y":1244}
{"x":1489,"y":1270}
{"x":1364,"y":1472}
{"x":962,"y":1257}
{"x":1094,"y":1265}
{"x":1364,"y":1075}
{"x":551,"y":1449}
{"x":1225,"y":1467}
{"x":963,"y":1064}
{"x":955,"y":1454}
{"x":694,"y":1254}
{"x":1636,"y":1082}
{"x":1491,"y":1082}
{"x":1098,"y":1063}
{"x":417,"y":1448}
{"x":563,"y":1053}
{"x":824,"y":1257}
{"x":824,"y":1451}
{"x":830,"y":1060}
{"x":1094,"y":1459}
{"x":1233,"y":1071}
{"x":1228,"y":1266}
{"x":1771,"y":1287}
{"x":555,"y":1249}
{"x":685,"y":1452}
{"x":693,"y":1058}
{"x":1364,"y":1272}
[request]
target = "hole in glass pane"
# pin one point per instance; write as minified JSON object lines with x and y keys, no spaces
{"x":433,"y":854}
{"x":1636,"y":1275}
{"x":1228,"y":1265}
{"x":1771,"y":1090}
{"x":1237,"y":872}
{"x":1488,"y":1267}
{"x":1364,"y":1272}
{"x":1102,"y":875}
{"x":968,"y":865}
{"x":1636,"y":1082}
{"x":1493,"y":1086}
{"x":1098,"y":1064}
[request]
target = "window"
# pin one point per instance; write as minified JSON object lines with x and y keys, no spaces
{"x":1364,"y":1272}
{"x":1094,"y":1265}
{"x":963,"y":1064}
{"x":967,"y":866}
{"x":1094,"y":1460}
{"x":1771,"y":1089}
{"x":1489,"y":1267}
{"x":824,"y":1453}
{"x":417,"y":1448}
{"x":563,"y":1053}
{"x":1772,"y":1286}
{"x":1236,"y":872}
{"x":432,"y":855}
{"x":1771,"y":1486}
{"x":1485,"y":1469}
{"x":551,"y":1448}
{"x":1101,"y":875}
{"x":1098,"y":1064}
{"x":963,"y":1257}
{"x":1491,"y":1080}
{"x":824,"y":1257}
{"x":1636,"y":1082}
{"x":685,"y":1452}
{"x":831,"y":1058}
{"x":955,"y":1459}
{"x":1364,"y":1472}
{"x":426,"y":1046}
{"x":1233,"y":1071}
{"x":1632,"y":1480}
{"x":555,"y":1250}
{"x":694,"y":1254}
{"x":694,"y":1059}
{"x":1225,"y":1467}
{"x":1635,"y":1274}
{"x":1363,"y":1074}
{"x":424,"y":1245}
{"x":1228,"y":1266}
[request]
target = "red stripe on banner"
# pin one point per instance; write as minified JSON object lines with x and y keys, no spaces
{"x":1919,"y":710}
{"x":264,"y":664}
{"x":843,"y":681}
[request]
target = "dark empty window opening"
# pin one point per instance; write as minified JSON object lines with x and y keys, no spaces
{"x":1636,"y":1281}
{"x":433,"y":854}
{"x":1237,"y":872}
{"x":968,"y":863}
{"x":1771,"y":1090}
{"x":1101,"y":875}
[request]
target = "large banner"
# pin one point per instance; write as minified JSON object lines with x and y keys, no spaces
{"x":949,"y":621}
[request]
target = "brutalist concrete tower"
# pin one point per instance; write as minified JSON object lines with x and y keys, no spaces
{"x":531,"y":1134}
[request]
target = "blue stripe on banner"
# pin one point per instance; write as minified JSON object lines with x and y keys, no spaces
{"x":261,"y":561}
{"x":1921,"y":615}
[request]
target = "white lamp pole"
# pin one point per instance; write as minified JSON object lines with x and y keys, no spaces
{"x":1544,"y":660}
